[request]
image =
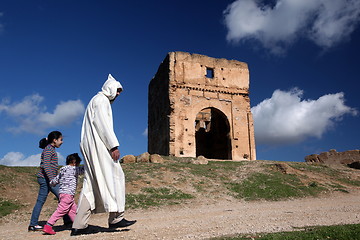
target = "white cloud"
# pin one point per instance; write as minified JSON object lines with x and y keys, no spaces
{"x":276,"y":27}
{"x":29,"y":115}
{"x":19,"y":159}
{"x":27,"y":106}
{"x":64,"y":113}
{"x":286,"y":118}
{"x":145,"y":133}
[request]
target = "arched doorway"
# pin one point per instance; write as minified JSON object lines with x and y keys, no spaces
{"x":212,"y":134}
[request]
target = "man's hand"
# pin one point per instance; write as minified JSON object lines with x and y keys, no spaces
{"x":115,"y":154}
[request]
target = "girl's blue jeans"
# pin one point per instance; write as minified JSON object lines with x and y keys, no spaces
{"x":44,"y":190}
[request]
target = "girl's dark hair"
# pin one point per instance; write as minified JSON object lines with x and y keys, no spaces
{"x":72,"y":157}
{"x":45,"y":141}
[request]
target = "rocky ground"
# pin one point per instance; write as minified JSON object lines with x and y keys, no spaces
{"x":209,"y":218}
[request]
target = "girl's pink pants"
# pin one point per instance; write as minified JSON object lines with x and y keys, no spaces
{"x":67,"y":206}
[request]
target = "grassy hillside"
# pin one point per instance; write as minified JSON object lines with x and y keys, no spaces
{"x":176,"y":182}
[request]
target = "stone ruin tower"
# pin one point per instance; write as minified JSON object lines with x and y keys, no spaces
{"x":200,"y":105}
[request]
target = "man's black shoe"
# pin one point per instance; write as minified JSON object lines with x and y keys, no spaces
{"x":68,"y":224}
{"x":123,"y":223}
{"x":76,"y":232}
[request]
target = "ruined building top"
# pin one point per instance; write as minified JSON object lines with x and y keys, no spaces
{"x":200,"y":72}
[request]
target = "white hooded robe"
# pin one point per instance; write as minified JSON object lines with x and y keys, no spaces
{"x":104,"y":181}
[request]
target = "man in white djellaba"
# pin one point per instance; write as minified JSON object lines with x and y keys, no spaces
{"x":104,"y":181}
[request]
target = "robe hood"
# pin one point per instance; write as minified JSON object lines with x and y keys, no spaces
{"x":110,"y":87}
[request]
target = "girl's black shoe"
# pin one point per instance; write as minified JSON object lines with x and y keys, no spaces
{"x":35,"y":228}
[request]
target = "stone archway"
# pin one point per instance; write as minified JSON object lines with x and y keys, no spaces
{"x":212,"y":134}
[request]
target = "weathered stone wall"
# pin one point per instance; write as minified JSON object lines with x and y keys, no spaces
{"x":181,"y":89}
{"x":159,"y":109}
{"x":334,"y":157}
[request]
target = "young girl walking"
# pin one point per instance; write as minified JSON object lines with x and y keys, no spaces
{"x":48,"y":170}
{"x":67,"y":178}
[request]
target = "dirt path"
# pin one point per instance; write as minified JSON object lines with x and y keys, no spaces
{"x":202,"y":221}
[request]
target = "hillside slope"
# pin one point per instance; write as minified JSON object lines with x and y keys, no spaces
{"x":207,"y":200}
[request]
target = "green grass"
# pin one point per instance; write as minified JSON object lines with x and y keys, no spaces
{"x":257,"y":180}
{"x":336,"y":174}
{"x":215,"y":170}
{"x":340,"y":232}
{"x":349,"y":181}
{"x":228,"y":177}
{"x":151,"y":197}
{"x":8,"y":175}
{"x":315,"y":168}
{"x":272,"y":186}
{"x":7,"y":207}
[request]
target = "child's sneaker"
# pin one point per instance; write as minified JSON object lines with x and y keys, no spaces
{"x":48,"y":230}
{"x":35,"y":228}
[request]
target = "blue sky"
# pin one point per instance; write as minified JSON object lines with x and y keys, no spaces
{"x":303,"y":58}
